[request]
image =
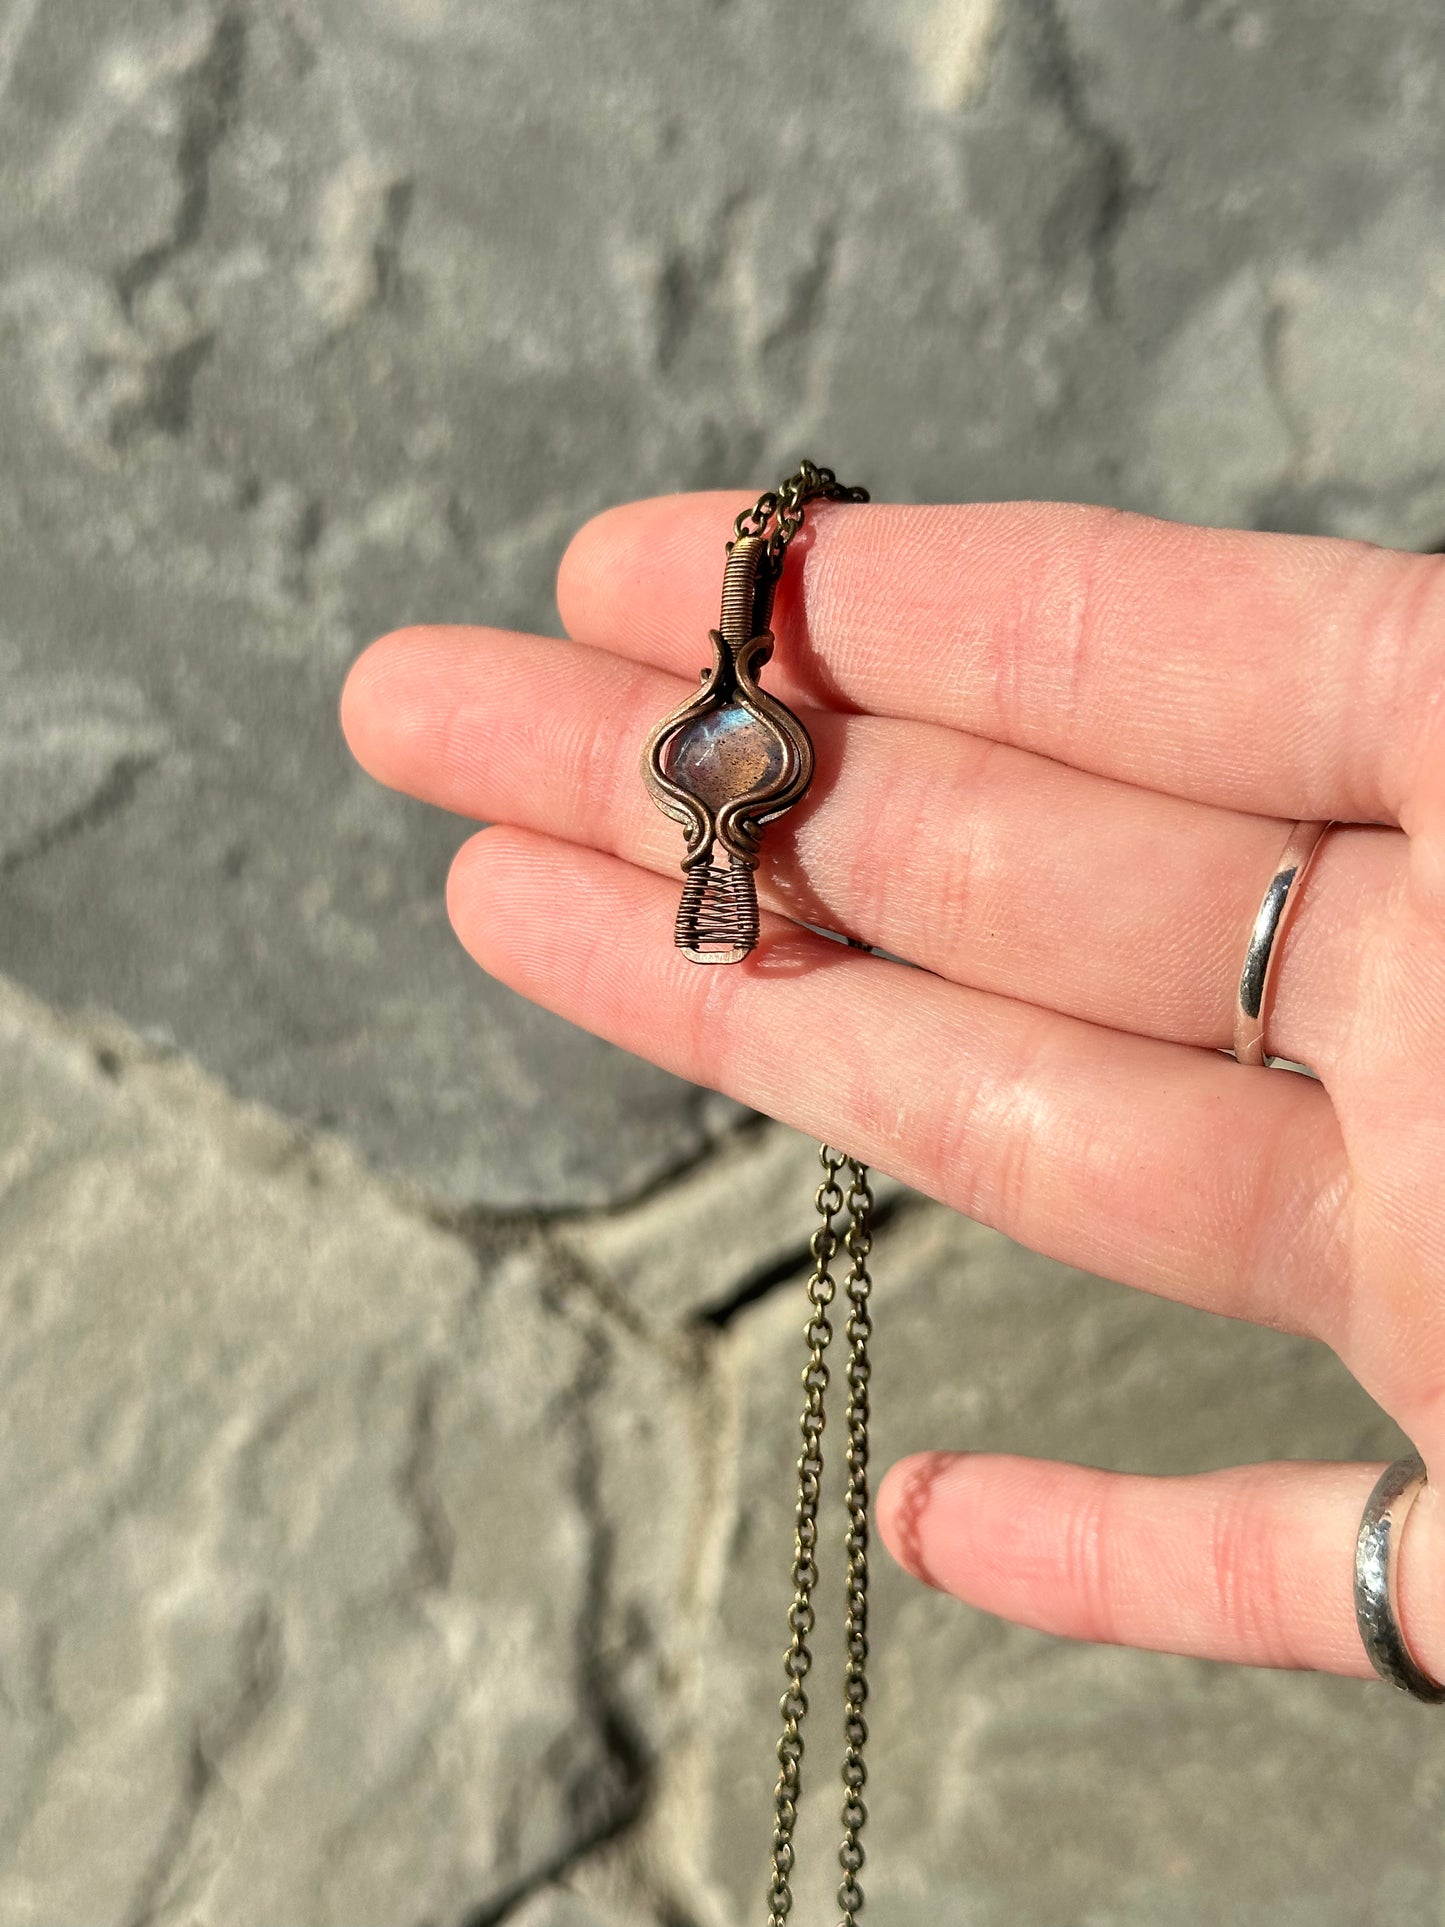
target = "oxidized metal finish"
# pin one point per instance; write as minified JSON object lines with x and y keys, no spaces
{"x":732,"y":758}
{"x":822,"y":1289}
{"x":859,"y":1287}
{"x":1377,"y":1560}
{"x":725,"y":764}
{"x":787,"y":503}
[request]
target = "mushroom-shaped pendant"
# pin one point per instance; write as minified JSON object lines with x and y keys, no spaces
{"x":724,"y":764}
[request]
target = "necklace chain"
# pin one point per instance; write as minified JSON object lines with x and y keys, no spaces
{"x":830,"y":1199}
{"x":784,"y":509}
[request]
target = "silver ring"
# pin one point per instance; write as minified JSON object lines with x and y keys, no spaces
{"x":1377,"y":1559}
{"x":1251,"y":1000}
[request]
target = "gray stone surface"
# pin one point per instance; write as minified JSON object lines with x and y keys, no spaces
{"x":326,"y":315}
{"x":317,"y":1599}
{"x":558,"y":1907}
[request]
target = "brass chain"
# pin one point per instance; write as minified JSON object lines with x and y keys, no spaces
{"x":784,"y":508}
{"x":830,"y":1199}
{"x":855,"y":1669}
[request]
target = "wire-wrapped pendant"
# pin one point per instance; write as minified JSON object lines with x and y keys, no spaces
{"x":725,"y":763}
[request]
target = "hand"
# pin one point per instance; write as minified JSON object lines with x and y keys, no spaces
{"x":1059,"y":751}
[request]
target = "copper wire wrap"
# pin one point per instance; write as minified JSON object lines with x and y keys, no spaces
{"x":747,"y":591}
{"x":718,"y":914}
{"x":731,"y":757}
{"x":728,"y":761}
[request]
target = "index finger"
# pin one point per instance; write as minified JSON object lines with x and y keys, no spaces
{"x":1285,"y":675}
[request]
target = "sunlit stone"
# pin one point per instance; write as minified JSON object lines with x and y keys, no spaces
{"x":724,"y":755}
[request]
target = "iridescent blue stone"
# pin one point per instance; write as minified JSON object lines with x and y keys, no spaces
{"x":726,"y":754}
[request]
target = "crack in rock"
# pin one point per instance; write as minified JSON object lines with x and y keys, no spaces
{"x":115,"y":794}
{"x":258,"y":1674}
{"x":416,"y":1484}
{"x":361,"y":223}
{"x":785,"y":1271}
{"x":605,"y":1804}
{"x":211,"y":92}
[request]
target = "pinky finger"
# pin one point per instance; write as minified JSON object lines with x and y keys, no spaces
{"x":1253,"y":1565}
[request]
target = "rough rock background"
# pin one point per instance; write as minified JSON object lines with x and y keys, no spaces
{"x":393,"y":1511}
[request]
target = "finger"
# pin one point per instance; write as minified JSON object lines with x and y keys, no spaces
{"x":1283,"y":675}
{"x":1161,"y":1166}
{"x":1253,"y":1565}
{"x":986,"y":864}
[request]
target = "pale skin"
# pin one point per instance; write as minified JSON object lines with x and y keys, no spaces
{"x":1059,"y":751}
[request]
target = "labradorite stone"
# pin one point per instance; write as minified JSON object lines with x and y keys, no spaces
{"x":723,"y":755}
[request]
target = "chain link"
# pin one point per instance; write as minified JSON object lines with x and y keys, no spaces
{"x":784,"y":506}
{"x":778,"y":515}
{"x":859,"y":1287}
{"x":830,"y":1200}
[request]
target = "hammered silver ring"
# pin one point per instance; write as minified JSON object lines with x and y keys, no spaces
{"x":1377,"y":1560}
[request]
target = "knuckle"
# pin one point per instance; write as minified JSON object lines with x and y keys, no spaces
{"x":1297,"y":1232}
{"x":1086,"y":1558}
{"x":1250,"y":1597}
{"x":967,"y":881}
{"x":1397,"y":660}
{"x":589,"y":558}
{"x":988,"y":1141}
{"x":1051,"y":650}
{"x":884,"y":895}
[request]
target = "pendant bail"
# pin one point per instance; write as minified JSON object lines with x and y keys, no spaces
{"x":747,"y":593}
